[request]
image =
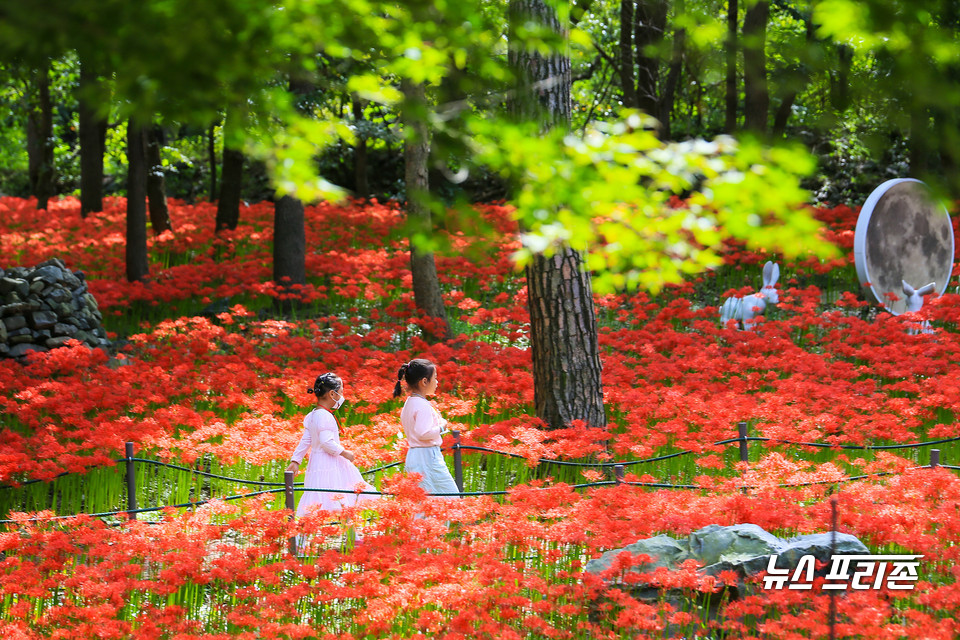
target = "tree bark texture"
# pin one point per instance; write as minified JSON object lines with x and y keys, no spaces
{"x":416,"y":151}
{"x":563,"y":331}
{"x":136,"y":250}
{"x":289,"y":248}
{"x":627,"y":83}
{"x":732,"y":93}
{"x":156,"y":183}
{"x":40,"y":141}
{"x":650,"y":23}
{"x":563,"y":334}
{"x":757,"y":98}
{"x":543,"y":83}
{"x":93,"y":133}
{"x":231,"y":180}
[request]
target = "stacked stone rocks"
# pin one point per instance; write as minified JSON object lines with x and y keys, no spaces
{"x":43,"y":307}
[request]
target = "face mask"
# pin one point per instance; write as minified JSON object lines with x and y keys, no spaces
{"x":336,"y":405}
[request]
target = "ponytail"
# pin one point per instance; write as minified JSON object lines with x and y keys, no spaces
{"x":413,"y":372}
{"x":397,"y":390}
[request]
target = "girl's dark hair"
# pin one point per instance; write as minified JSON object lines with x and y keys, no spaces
{"x":413,"y":372}
{"x":325,"y":382}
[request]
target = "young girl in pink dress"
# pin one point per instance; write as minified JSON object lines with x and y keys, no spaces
{"x":424,"y":427}
{"x":330,"y":466}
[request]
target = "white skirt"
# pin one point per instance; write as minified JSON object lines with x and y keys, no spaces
{"x":429,"y":463}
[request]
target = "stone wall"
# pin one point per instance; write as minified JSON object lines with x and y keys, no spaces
{"x":42,"y":307}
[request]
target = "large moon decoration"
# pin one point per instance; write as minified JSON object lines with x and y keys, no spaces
{"x":902,"y":234}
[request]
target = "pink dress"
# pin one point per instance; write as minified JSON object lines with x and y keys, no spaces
{"x":327,"y":469}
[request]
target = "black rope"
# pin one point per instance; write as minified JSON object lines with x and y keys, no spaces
{"x":606,"y":483}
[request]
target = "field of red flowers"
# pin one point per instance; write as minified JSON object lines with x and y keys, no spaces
{"x":222,"y":391}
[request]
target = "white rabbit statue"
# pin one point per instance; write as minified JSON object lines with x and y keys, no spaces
{"x":915,"y":303}
{"x":745,"y":309}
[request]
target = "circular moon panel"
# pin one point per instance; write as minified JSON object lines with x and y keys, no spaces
{"x":902,"y":234}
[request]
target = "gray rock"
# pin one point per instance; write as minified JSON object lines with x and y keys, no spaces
{"x":818,"y":545}
{"x":15,"y":322}
{"x":663,"y":550}
{"x":37,"y":286}
{"x":23,"y":338}
{"x":20,"y":350}
{"x":14,"y":285}
{"x":3,"y":332}
{"x":733,"y":544}
{"x":62,"y":329}
{"x":4,"y":350}
{"x":42,"y":319}
{"x":56,"y":262}
{"x":69,"y":280}
{"x":49,"y":274}
{"x":58,"y":341}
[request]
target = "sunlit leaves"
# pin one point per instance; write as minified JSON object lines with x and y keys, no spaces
{"x":614,"y":193}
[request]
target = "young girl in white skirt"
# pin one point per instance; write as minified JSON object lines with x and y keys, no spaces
{"x":423,"y":426}
{"x":331,"y":465}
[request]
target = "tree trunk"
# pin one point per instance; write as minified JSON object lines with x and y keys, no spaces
{"x":840,"y":85}
{"x":627,"y":83}
{"x":156,"y":183}
{"x":40,"y":141}
{"x":361,"y":181}
{"x":563,"y":329}
{"x":289,"y":250}
{"x":670,"y":86}
{"x":650,"y":22}
{"x":416,"y":151}
{"x":212,"y":157}
{"x":136,"y":250}
{"x":732,"y":99}
{"x":93,"y":133}
{"x":757,"y":98}
{"x":228,"y":206}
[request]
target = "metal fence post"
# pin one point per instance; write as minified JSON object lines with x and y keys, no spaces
{"x":618,"y":473}
{"x":742,"y":428}
{"x":131,"y":482}
{"x":289,"y":504}
{"x":457,"y":461}
{"x":934,"y":458}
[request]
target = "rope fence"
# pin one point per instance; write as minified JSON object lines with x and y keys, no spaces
{"x":289,"y":487}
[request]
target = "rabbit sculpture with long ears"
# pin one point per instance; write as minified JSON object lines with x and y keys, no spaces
{"x":744,"y":310}
{"x":915,"y":303}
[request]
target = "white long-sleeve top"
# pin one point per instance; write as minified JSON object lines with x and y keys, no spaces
{"x":320,"y":433}
{"x":422,"y":424}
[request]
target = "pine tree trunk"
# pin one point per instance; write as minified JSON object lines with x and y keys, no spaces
{"x":93,"y":132}
{"x":156,"y":183}
{"x":231,"y":181}
{"x":628,"y":85}
{"x":289,"y":250}
{"x":136,"y":250}
{"x":40,"y":141}
{"x":757,"y":98}
{"x":732,"y":99}
{"x":416,"y":151}
{"x":563,"y":330}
